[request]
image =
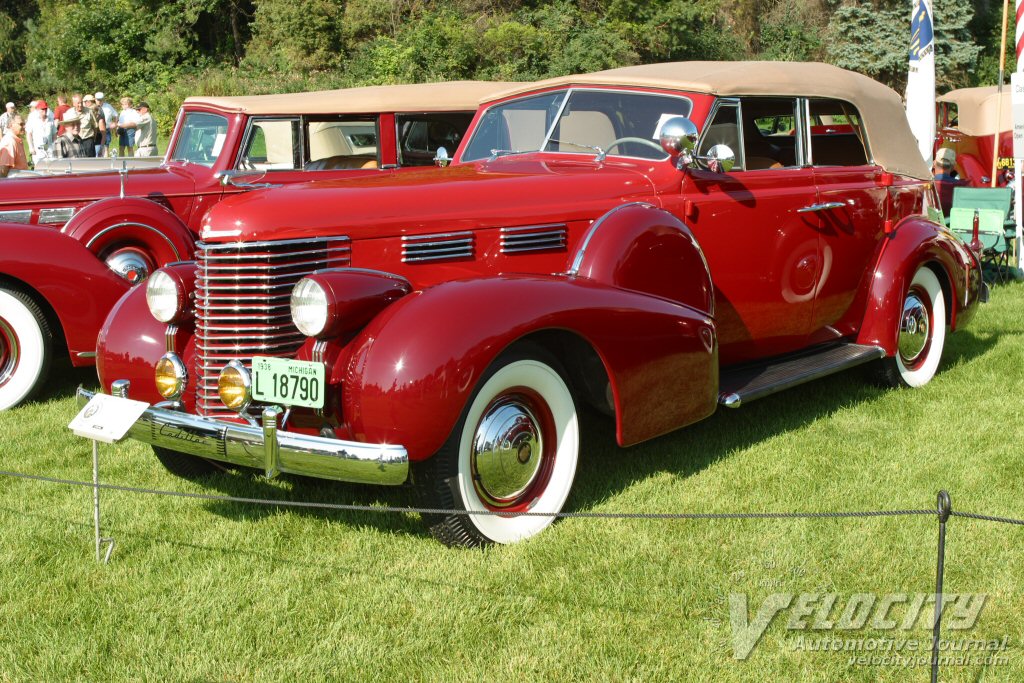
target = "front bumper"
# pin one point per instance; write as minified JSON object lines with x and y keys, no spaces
{"x":267,"y":447}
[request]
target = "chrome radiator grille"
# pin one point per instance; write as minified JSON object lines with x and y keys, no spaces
{"x":242,"y":304}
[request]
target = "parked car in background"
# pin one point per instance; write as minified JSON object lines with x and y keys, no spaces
{"x":73,"y":244}
{"x":654,"y":241}
{"x":967,"y":122}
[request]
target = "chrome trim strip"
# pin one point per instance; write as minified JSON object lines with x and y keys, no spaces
{"x":215,"y":246}
{"x":578,"y":259}
{"x":53,"y":216}
{"x":170,"y":337}
{"x":85,"y":354}
{"x":524,"y":228}
{"x":312,"y":456}
{"x":153,"y":230}
{"x":20,"y":216}
{"x":439,"y":235}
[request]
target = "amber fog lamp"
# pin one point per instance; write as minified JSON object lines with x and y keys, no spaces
{"x":171,"y":376}
{"x":235,"y":386}
{"x":339,"y":300}
{"x":165,"y":295}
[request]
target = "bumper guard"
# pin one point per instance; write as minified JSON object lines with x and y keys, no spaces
{"x":266,"y":447}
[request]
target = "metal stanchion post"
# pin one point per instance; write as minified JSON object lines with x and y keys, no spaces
{"x":944,"y":508}
{"x":100,"y":540}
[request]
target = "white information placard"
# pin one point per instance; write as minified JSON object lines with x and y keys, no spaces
{"x":107,"y":418}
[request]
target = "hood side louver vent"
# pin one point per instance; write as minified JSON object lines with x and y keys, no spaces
{"x":440,"y":247}
{"x":533,"y":238}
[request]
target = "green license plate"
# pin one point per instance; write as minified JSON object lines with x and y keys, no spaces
{"x":288,"y":382}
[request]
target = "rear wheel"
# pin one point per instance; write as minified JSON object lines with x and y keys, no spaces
{"x":184,"y":465}
{"x":921,"y":336}
{"x":26,"y":343}
{"x":515,"y":449}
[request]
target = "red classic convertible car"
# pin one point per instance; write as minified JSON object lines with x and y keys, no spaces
{"x":73,"y":244}
{"x":654,"y":241}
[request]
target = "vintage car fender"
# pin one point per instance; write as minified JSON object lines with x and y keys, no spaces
{"x":129,"y":344}
{"x":644,"y":248}
{"x":914,"y":243}
{"x":64,"y":277}
{"x":129,"y":226}
{"x":412,"y":370}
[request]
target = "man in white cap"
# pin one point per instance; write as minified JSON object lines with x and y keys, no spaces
{"x":71,"y":145}
{"x":109,"y":120}
{"x":41,"y":130}
{"x":7,"y":117}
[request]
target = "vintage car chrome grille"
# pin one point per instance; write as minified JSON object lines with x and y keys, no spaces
{"x":242,"y":304}
{"x":439,"y":247}
{"x":533,"y":238}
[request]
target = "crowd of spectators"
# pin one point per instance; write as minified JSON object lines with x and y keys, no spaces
{"x":88,"y":127}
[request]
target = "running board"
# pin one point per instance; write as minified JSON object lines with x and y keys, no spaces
{"x":750,"y":383}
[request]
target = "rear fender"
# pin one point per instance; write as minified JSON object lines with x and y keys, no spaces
{"x":68,"y":278}
{"x":917,"y":242}
{"x":412,"y":370}
{"x":109,"y":225}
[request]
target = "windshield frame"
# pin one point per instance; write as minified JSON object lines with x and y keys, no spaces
{"x":568,"y":91}
{"x":181,"y":134}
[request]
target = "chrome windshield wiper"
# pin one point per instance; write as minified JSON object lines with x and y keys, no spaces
{"x":495,"y":153}
{"x":601,"y":154}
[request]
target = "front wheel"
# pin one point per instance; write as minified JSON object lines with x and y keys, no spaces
{"x":25,"y":347}
{"x":921,"y":336}
{"x":514,"y":450}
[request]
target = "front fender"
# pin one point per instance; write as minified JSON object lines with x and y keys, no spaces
{"x":132,"y":221}
{"x":130,"y":343}
{"x":413,"y":369}
{"x":79,"y":288}
{"x":914,"y":243}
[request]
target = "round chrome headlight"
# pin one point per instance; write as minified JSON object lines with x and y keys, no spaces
{"x":309,"y":307}
{"x":234,"y":386}
{"x":171,"y":376}
{"x":164,"y":296}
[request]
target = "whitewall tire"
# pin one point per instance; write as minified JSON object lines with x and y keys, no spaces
{"x":515,"y":449}
{"x":25,"y":345}
{"x":921,"y":335}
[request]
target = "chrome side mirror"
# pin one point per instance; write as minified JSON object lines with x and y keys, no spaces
{"x":719,"y":159}
{"x":678,"y":137}
{"x":441,"y":159}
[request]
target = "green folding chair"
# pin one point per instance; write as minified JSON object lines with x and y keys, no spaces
{"x":996,"y":228}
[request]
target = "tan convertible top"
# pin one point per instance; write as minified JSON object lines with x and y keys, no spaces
{"x":885,"y":120}
{"x":976,"y":109}
{"x":421,"y":97}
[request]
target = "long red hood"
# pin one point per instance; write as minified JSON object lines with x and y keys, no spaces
{"x":520,"y":191}
{"x":167,"y":181}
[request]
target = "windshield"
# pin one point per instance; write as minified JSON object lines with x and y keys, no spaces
{"x":201,"y":139}
{"x":577,"y":121}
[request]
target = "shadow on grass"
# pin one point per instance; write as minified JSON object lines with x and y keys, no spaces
{"x":605,"y":469}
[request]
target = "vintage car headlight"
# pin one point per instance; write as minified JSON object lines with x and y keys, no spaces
{"x":171,"y":376}
{"x":309,"y":307}
{"x":234,"y":386}
{"x":165,"y":296}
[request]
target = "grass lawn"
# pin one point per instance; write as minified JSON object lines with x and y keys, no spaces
{"x":207,"y":591}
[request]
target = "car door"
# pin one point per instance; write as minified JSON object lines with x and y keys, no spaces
{"x":757,"y":227}
{"x":852,"y":218}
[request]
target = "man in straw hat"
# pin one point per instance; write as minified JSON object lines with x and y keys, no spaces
{"x":71,"y":145}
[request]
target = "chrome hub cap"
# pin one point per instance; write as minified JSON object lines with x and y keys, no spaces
{"x":8,"y":352}
{"x":914,"y":328}
{"x":507,"y":451}
{"x":130,"y":265}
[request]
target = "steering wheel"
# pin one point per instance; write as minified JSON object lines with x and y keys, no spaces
{"x":650,"y":143}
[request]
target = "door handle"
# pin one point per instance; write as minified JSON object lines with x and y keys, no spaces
{"x":825,"y":206}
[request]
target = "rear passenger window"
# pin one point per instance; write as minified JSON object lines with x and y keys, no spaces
{"x":769,"y":132}
{"x":837,"y":137}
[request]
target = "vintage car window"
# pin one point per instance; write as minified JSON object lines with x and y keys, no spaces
{"x":769,"y":132}
{"x":724,"y":129}
{"x":342,"y":143}
{"x":837,"y":137}
{"x":578,"y":121}
{"x":272,"y":145}
{"x":420,"y":135}
{"x":201,"y":138}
